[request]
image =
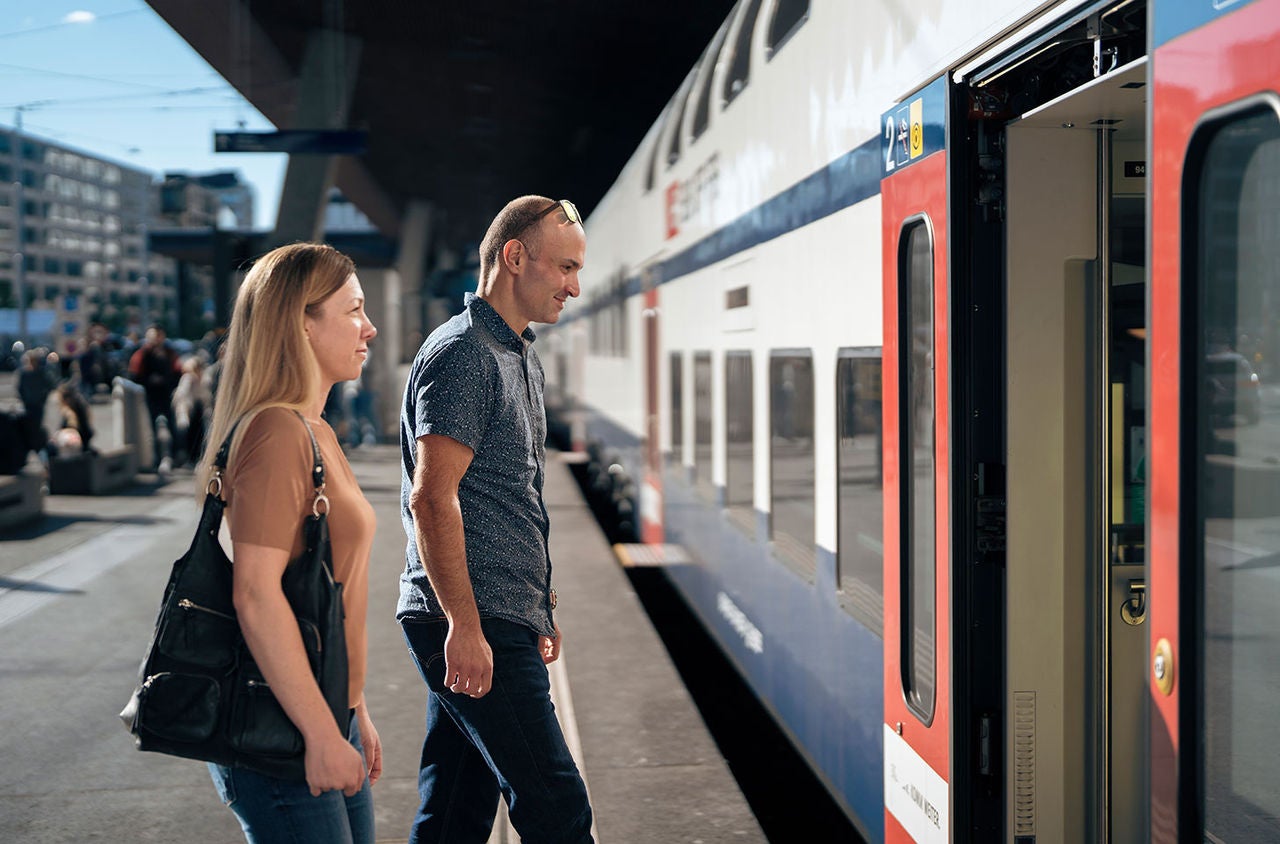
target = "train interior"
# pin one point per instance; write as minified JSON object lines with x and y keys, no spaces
{"x":1075,"y":427}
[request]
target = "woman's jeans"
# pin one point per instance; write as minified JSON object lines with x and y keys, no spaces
{"x":507,"y":742}
{"x":273,"y":810}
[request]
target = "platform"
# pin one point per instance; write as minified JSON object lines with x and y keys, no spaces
{"x":78,"y":596}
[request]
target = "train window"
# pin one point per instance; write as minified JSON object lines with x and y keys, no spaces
{"x":788,"y":16}
{"x":676,"y":142}
{"x":651,"y":175}
{"x":859,"y":466}
{"x":739,"y":469}
{"x":740,"y":60}
{"x":702,"y":420}
{"x":916,"y":439}
{"x":702,"y":106}
{"x":677,"y":407}
{"x":1234,"y":373}
{"x":791,"y":458}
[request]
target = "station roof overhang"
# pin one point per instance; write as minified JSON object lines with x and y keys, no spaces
{"x":465,"y":105}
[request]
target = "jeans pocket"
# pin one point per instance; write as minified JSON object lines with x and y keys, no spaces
{"x":223,"y":782}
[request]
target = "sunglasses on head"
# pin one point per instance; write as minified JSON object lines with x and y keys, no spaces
{"x":570,"y":210}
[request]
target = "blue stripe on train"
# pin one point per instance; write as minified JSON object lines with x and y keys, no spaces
{"x":848,"y":180}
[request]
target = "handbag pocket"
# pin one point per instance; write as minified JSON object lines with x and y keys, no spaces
{"x":179,"y":707}
{"x":259,"y":725}
{"x":199,"y":635}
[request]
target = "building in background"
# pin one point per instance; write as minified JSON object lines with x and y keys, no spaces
{"x":74,"y":241}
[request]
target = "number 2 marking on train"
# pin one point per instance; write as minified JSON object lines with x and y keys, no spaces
{"x":889,"y":129}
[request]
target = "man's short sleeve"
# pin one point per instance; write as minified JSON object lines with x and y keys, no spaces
{"x":452,"y":395}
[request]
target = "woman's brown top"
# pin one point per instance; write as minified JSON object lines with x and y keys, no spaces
{"x":269,"y":493}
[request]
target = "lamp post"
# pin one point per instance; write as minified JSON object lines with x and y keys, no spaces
{"x":20,"y":228}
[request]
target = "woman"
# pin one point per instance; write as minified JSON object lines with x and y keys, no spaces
{"x":191,"y":401}
{"x":299,"y":327}
{"x":76,"y":431}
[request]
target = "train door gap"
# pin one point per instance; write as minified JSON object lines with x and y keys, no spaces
{"x":1076,"y":285}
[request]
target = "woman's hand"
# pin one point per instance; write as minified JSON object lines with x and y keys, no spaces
{"x":371,"y":742}
{"x":333,"y":764}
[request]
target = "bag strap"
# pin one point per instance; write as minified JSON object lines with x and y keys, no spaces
{"x":317,"y":467}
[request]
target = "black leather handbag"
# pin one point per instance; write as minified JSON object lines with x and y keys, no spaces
{"x":200,"y":695}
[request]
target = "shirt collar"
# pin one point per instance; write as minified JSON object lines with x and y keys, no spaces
{"x":497,"y":326}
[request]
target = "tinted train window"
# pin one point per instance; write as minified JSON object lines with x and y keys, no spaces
{"x":739,"y":480}
{"x":702,"y":420}
{"x":916,"y":439}
{"x":860,"y":541}
{"x":702,"y":106}
{"x":791,"y":460}
{"x":651,"y":175}
{"x":677,"y":131}
{"x":788,"y":15}
{"x":1233,"y":366}
{"x":740,"y":61}
{"x":677,"y":407}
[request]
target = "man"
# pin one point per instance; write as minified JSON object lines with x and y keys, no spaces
{"x":475,"y":598}
{"x":155,"y":365}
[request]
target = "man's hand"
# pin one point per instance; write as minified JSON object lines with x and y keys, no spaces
{"x":468,"y":661}
{"x":549,"y":646}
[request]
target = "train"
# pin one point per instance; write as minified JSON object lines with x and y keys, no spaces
{"x":933,"y":351}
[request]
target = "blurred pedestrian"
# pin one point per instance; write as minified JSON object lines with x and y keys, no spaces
{"x":299,"y":327}
{"x":75,"y":433}
{"x":35,"y":382}
{"x":192,"y":401}
{"x":155,"y":366}
{"x":475,"y":599}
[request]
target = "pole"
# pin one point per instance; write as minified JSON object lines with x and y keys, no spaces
{"x":20,"y":228}
{"x":144,"y":209}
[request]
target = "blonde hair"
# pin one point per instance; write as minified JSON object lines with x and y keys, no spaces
{"x":268,"y":361}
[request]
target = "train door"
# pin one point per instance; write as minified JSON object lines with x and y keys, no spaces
{"x":651,"y":530}
{"x":1068,"y":110}
{"x":1214,"y":651}
{"x":917,"y":704}
{"x":1075,"y":450}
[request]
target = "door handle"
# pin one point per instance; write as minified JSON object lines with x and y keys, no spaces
{"x":1134,"y":609}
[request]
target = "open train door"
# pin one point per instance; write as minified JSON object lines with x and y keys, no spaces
{"x":917,"y":590}
{"x":1214,"y":660}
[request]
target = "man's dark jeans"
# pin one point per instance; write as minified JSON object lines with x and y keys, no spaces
{"x":507,"y":742}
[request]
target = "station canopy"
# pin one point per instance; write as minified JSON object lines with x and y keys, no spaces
{"x":465,"y":105}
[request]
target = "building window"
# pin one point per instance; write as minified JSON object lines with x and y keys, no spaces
{"x":702,"y":420}
{"x":859,"y":467}
{"x":791,"y":458}
{"x":739,"y":467}
{"x":916,"y":452}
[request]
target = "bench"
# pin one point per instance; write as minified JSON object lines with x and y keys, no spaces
{"x":93,"y":474}
{"x":20,"y":499}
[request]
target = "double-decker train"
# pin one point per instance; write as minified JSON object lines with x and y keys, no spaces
{"x":936,"y":348}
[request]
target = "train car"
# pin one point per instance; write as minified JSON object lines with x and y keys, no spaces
{"x":935,"y":347}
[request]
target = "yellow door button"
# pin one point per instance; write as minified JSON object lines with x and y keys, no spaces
{"x":1162,"y":666}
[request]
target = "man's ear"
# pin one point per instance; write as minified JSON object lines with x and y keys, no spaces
{"x":513,"y":255}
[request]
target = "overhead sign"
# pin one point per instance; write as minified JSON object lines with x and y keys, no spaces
{"x":294,"y":141}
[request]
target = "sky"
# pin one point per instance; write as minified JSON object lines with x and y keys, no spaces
{"x":112,"y":79}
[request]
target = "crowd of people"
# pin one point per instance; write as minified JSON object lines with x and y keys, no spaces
{"x":179,"y":380}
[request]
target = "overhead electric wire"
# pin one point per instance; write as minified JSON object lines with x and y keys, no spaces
{"x":61,"y":24}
